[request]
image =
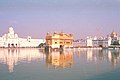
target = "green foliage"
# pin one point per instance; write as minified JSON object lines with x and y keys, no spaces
{"x":41,"y":45}
{"x":115,"y":43}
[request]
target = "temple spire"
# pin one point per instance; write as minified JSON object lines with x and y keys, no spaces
{"x":11,"y":30}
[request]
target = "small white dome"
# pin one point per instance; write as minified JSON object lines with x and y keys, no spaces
{"x":11,"y":28}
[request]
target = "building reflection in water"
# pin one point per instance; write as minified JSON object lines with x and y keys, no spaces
{"x":113,"y":56}
{"x":12,"y":57}
{"x":94,"y":55}
{"x":59,"y":59}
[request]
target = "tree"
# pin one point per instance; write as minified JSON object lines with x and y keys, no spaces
{"x":115,"y":43}
{"x":41,"y":45}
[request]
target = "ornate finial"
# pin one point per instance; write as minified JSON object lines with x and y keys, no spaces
{"x":11,"y":30}
{"x":55,"y":32}
{"x":48,"y":33}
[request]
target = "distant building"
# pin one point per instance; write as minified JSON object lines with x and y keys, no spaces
{"x":115,"y":37}
{"x":12,"y":40}
{"x":98,"y":42}
{"x":89,"y":41}
{"x":57,"y":40}
{"x":102,"y":43}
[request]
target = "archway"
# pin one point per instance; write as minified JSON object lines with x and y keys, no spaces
{"x":9,"y":45}
{"x":12,"y":45}
{"x":16,"y":45}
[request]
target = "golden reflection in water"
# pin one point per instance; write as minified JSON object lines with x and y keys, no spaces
{"x":65,"y":59}
{"x":59,"y":59}
{"x":11,"y":57}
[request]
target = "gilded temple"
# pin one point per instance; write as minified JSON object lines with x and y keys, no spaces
{"x":61,"y":39}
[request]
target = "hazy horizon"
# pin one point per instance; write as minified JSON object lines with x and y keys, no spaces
{"x":80,"y":17}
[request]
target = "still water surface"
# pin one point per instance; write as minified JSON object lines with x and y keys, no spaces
{"x":33,"y":64}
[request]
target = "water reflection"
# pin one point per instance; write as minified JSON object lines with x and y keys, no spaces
{"x":112,"y":56}
{"x":59,"y":59}
{"x":12,"y":57}
{"x":65,"y":59}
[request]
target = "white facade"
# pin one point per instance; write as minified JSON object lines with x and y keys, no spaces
{"x":119,"y":39}
{"x":96,"y":42}
{"x":12,"y":40}
{"x":89,"y":41}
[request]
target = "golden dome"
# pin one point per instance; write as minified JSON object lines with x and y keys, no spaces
{"x":48,"y":33}
{"x":113,"y":34}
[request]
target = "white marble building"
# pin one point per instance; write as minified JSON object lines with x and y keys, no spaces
{"x":98,"y":42}
{"x":11,"y":39}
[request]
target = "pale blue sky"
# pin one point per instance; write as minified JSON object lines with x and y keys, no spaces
{"x":80,"y":17}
